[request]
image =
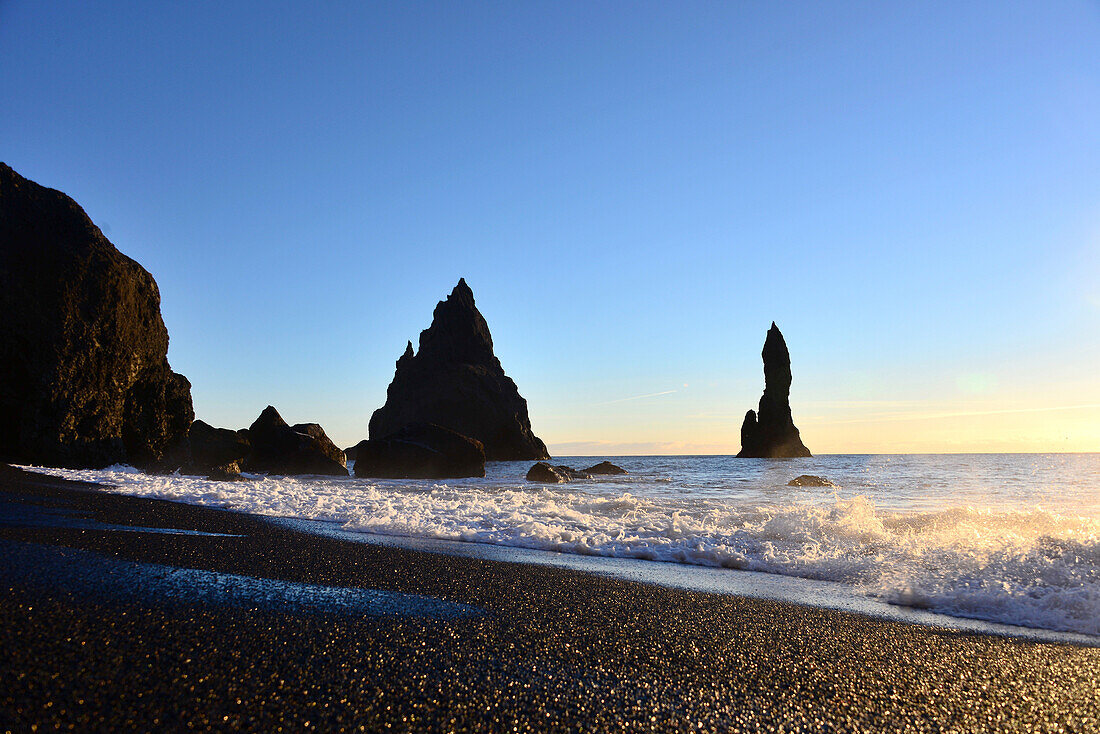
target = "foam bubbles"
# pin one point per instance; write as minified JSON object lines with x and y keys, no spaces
{"x":1015,"y":564}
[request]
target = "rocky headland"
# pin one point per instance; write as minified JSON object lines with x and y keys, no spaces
{"x":770,"y":433}
{"x":84,"y":374}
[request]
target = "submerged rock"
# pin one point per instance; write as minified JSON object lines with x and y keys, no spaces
{"x":550,"y":474}
{"x":420,"y":451}
{"x":455,"y":381}
{"x":771,"y":433}
{"x":278,"y":448}
{"x":226,"y":473}
{"x":84,"y":374}
{"x":810,"y":480}
{"x":604,"y":467}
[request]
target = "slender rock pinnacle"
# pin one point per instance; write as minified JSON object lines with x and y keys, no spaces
{"x":770,"y":433}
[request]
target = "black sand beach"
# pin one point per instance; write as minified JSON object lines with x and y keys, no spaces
{"x":92,"y":644}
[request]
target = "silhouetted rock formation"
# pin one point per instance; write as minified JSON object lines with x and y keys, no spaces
{"x":217,"y":447}
{"x":84,"y":375}
{"x":455,"y":381}
{"x":269,"y":446}
{"x":352,"y":451}
{"x":810,"y":480}
{"x":604,"y":467}
{"x":420,"y":451}
{"x":771,"y":433}
{"x":300,"y":449}
{"x":544,"y":472}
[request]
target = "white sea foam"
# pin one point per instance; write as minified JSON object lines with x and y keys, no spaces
{"x":1021,"y":565}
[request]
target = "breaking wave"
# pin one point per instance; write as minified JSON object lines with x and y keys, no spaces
{"x":1030,"y":567}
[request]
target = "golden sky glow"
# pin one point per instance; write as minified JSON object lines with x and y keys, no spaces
{"x":850,"y":427}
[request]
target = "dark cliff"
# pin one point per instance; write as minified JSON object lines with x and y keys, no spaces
{"x":84,"y":375}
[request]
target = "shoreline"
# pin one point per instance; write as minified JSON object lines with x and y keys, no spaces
{"x":541,"y":647}
{"x":848,"y":548}
{"x":798,"y":590}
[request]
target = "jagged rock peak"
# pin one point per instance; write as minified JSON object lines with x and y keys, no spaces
{"x":458,"y":333}
{"x":269,"y":416}
{"x":777,"y":364}
{"x":770,"y":432}
{"x":462,"y":292}
{"x":455,"y":381}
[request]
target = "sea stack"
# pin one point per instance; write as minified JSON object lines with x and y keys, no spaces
{"x":771,"y":433}
{"x":84,"y":375}
{"x":455,"y":381}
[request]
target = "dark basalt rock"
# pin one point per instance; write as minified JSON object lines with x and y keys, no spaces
{"x":420,"y":451}
{"x":351,"y":452}
{"x":214,"y":447}
{"x":455,"y":381}
{"x":269,"y":446}
{"x":550,"y":474}
{"x":226,"y":473}
{"x":810,"y":480}
{"x":771,"y":433}
{"x":301,"y":449}
{"x":84,"y":375}
{"x":322,"y":442}
{"x":604,"y":467}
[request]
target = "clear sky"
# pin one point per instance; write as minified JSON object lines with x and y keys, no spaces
{"x":634,"y":191}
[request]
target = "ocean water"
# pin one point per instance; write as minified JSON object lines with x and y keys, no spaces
{"x":1006,"y":538}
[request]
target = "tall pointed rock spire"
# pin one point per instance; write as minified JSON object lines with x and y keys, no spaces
{"x":771,"y":433}
{"x":455,"y":381}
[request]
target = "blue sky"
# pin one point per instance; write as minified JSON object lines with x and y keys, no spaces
{"x":633,"y":191}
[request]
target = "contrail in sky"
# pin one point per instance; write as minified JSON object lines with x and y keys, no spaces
{"x":636,"y":397}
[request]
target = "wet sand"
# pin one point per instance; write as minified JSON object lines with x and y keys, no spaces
{"x":102,"y":630}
